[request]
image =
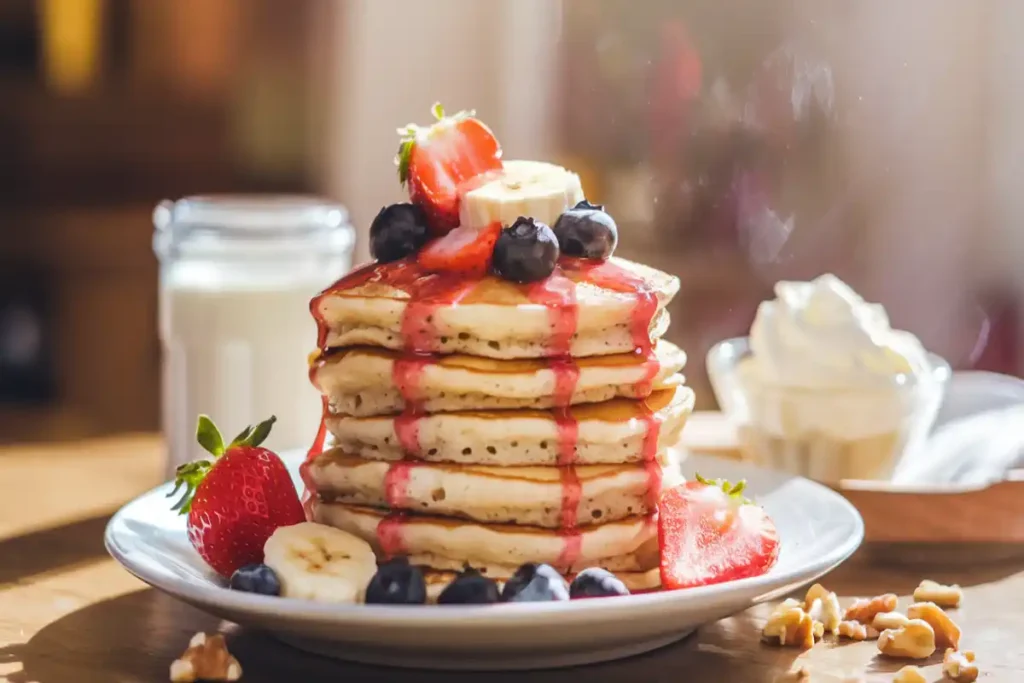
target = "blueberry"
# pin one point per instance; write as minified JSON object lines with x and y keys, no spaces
{"x":526,"y":251}
{"x":469,"y":588}
{"x":397,"y":583}
{"x":256,"y":578}
{"x":535,"y":583}
{"x":397,"y":231}
{"x":587,"y":230}
{"x":596,"y":583}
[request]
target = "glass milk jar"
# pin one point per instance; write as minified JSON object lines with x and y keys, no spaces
{"x":236,"y":277}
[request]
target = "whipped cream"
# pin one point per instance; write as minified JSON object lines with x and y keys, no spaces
{"x":822,"y":334}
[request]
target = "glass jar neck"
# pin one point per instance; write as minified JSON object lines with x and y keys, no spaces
{"x":264,"y":227}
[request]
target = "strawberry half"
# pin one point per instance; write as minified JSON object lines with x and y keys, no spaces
{"x":237,"y":500}
{"x":442,"y":161}
{"x":709,"y":533}
{"x":463,"y":250}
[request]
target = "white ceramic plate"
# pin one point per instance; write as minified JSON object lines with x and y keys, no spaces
{"x":818,"y":530}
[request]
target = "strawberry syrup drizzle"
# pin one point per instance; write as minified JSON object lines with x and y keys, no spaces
{"x":611,"y":276}
{"x":400,"y":275}
{"x":427,"y":293}
{"x":390,"y":536}
{"x":430,"y":291}
{"x":557,"y":294}
{"x":652,"y":423}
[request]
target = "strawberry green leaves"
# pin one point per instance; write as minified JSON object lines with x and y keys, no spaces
{"x":188,"y":475}
{"x":209,"y":436}
{"x":730,"y":489}
{"x":191,"y":474}
{"x":210,"y":439}
{"x":254,"y":436}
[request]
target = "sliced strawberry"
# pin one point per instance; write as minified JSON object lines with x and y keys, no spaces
{"x":463,"y":250}
{"x":709,"y":533}
{"x":235,"y":501}
{"x":442,"y":161}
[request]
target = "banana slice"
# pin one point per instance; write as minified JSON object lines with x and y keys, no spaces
{"x":317,"y":562}
{"x":523,"y":188}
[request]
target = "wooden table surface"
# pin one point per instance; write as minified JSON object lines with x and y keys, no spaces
{"x":69,"y":614}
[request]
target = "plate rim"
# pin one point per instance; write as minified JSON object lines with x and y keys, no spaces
{"x":204,"y":593}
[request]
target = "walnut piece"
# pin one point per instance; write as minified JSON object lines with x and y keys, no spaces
{"x":864,"y":611}
{"x":947,"y":633}
{"x":943,"y":596}
{"x":960,"y":666}
{"x":797,"y":675}
{"x":823,"y":606}
{"x":854,"y":630}
{"x":788,"y":603}
{"x":791,"y":627}
{"x":909,"y":674}
{"x":885,"y":620}
{"x":916,"y":640}
{"x":206,"y":659}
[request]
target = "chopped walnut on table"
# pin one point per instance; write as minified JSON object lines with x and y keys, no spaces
{"x":887,"y":620}
{"x":791,"y":627}
{"x":206,"y":659}
{"x":943,"y":596}
{"x":788,"y":603}
{"x":916,"y":640}
{"x":823,"y":606}
{"x":865,"y":610}
{"x":854,"y":630}
{"x":947,"y":633}
{"x":909,"y":674}
{"x":960,"y":666}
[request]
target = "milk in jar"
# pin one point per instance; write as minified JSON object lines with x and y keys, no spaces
{"x":236,"y":277}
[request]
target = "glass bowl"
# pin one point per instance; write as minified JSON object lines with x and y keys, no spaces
{"x":829,"y":433}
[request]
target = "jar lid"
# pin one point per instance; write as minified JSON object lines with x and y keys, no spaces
{"x":255,"y":213}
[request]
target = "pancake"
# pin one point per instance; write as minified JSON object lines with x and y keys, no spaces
{"x":441,"y":543}
{"x":510,"y":495}
{"x":611,"y":432}
{"x":492,"y":317}
{"x":635,"y":581}
{"x":361,"y":381}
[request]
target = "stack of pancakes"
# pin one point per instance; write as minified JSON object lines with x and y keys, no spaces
{"x":461,"y":458}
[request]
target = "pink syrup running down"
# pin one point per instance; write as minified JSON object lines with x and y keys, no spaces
{"x":429,"y":292}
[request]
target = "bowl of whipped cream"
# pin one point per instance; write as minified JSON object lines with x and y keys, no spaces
{"x":824,"y":387}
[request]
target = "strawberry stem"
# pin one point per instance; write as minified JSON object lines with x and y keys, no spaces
{"x":191,"y":474}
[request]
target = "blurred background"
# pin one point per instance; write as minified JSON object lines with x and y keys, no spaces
{"x":737,"y":143}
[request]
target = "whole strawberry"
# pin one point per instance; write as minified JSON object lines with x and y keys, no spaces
{"x":235,"y":501}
